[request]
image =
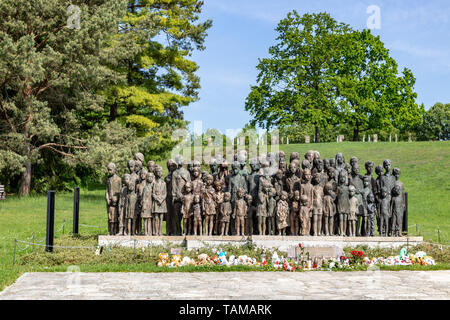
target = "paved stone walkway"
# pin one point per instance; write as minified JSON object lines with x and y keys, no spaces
{"x":233,"y":285}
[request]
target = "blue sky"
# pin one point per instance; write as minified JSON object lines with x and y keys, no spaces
{"x":417,"y":33}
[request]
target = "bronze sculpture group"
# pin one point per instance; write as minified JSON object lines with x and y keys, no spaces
{"x":309,"y":197}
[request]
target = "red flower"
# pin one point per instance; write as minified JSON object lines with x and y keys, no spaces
{"x":299,"y":245}
{"x":314,"y":266}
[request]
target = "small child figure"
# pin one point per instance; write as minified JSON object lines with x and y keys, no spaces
{"x":317,"y":205}
{"x":240,"y":212}
{"x":209,"y":204}
{"x":397,"y":210}
{"x":371,"y":213}
{"x":197,"y":212}
{"x":186,"y":208}
{"x":342,"y":206}
{"x":305,"y":216}
{"x":282,"y":211}
{"x":225,"y":212}
{"x":159,"y":205}
{"x":329,"y":209}
{"x":142,"y":182}
{"x":353,"y":209}
{"x":219,"y":200}
{"x":365,"y":192}
{"x":251,"y":211}
{"x":385,"y":212}
{"x":294,"y":214}
{"x":146,"y":203}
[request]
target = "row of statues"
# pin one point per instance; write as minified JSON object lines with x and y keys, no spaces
{"x":312,"y":196}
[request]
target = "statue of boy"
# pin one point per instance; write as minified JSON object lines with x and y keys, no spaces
{"x":219,"y":195}
{"x":353,"y":209}
{"x":343,"y":205}
{"x":371,"y":213}
{"x":377,"y":194}
{"x":282,"y":213}
{"x":307,"y":191}
{"x":130,"y":206}
{"x":397,"y":210}
{"x":123,"y":205}
{"x":179,"y":178}
{"x":159,"y":207}
{"x":251,"y":212}
{"x":329,"y":208}
{"x":305,"y":215}
{"x":146,"y":204}
{"x":317,"y":201}
{"x":294,"y":217}
{"x":209,"y":204}
{"x":197,"y":215}
{"x":225,"y":212}
{"x":113,"y":189}
{"x":240,"y":212}
{"x":358,"y":183}
{"x":186,"y":208}
{"x":171,"y":218}
{"x":140,"y":192}
{"x":385,"y":212}
{"x":364,"y":193}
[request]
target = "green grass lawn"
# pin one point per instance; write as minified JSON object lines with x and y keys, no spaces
{"x":425,"y":173}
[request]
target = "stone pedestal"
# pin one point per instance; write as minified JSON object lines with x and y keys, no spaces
{"x":282,"y":243}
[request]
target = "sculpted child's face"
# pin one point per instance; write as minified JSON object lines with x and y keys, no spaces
{"x":111,"y":171}
{"x":150,"y":177}
{"x":352,"y":192}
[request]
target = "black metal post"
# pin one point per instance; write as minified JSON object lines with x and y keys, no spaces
{"x":50,"y":221}
{"x":76,"y":210}
{"x":405,"y":215}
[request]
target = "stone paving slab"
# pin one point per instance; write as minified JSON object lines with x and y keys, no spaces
{"x":319,"y":285}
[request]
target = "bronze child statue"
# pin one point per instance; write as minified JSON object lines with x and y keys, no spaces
{"x":282,"y":212}
{"x":225,"y":212}
{"x":317,"y":202}
{"x":294,"y":215}
{"x":159,"y":207}
{"x":307,"y":191}
{"x":113,"y":189}
{"x":329,"y":209}
{"x":240,"y":212}
{"x":343,"y":205}
{"x":251,"y":212}
{"x":305,"y":215}
{"x":397,"y":210}
{"x":146,"y":204}
{"x":353,"y":210}
{"x":197,"y":215}
{"x":209,"y":204}
{"x":385,"y":212}
{"x":371,"y":213}
{"x":186,"y":208}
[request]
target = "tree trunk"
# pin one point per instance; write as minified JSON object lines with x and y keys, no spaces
{"x":317,"y":135}
{"x":25,"y":185}
{"x":113,"y":112}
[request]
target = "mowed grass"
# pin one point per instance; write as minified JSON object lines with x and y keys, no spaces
{"x":425,"y":173}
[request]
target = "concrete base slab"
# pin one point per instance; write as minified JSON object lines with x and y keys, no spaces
{"x":282,"y":243}
{"x":323,"y":285}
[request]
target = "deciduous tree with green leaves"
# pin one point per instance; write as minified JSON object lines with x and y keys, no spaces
{"x":371,"y":93}
{"x":295,"y":82}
